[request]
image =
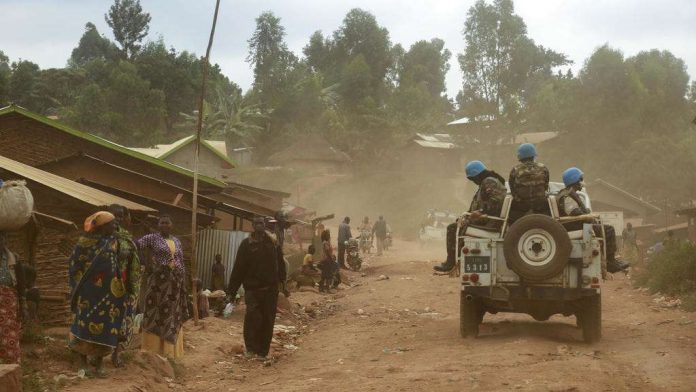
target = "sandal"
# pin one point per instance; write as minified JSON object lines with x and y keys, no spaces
{"x":116,"y":360}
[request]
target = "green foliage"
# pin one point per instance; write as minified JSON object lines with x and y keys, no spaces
{"x":500,"y":61}
{"x":92,"y":46}
{"x":231,"y":117}
{"x":118,"y":105}
{"x":5,"y":75}
{"x":672,"y":271}
{"x":23,"y":86}
{"x":129,"y":24}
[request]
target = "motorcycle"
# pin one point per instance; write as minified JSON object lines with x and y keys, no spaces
{"x":353,"y":258}
{"x":365,"y":241}
{"x":388,"y":241}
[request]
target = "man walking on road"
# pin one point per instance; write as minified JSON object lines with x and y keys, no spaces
{"x":379,"y":230}
{"x":260,"y":268}
{"x":343,"y":236}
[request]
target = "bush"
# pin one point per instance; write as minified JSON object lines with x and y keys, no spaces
{"x":672,"y":271}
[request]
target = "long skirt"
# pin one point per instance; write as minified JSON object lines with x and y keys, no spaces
{"x":156,"y":344}
{"x":9,"y":326}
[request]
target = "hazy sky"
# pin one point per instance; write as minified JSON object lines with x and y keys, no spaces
{"x":46,"y":31}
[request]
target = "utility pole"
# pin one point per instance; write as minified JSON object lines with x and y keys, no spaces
{"x":194,"y":207}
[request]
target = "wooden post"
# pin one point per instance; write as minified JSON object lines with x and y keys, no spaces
{"x":194,"y":207}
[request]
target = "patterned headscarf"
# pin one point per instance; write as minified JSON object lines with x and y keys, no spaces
{"x":97,"y":219}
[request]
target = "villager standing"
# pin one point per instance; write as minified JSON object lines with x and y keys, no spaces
{"x":488,"y":200}
{"x":12,"y":303}
{"x":129,"y":265}
{"x":380,"y":232}
{"x":98,"y":298}
{"x":327,"y":265}
{"x":165,"y":305}
{"x":260,"y":267}
{"x":344,"y":235}
{"x":529,"y":182}
{"x":218,"y":274}
{"x":630,"y":241}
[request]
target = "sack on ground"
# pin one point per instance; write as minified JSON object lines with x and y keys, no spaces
{"x":16,"y":205}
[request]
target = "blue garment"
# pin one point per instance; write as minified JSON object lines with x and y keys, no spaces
{"x":98,"y":291}
{"x":344,"y":233}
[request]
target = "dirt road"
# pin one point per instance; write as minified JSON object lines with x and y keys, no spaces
{"x":401,"y":334}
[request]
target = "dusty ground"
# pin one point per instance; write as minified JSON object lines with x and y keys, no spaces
{"x":402,"y":334}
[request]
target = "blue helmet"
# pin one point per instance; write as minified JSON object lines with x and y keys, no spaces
{"x":572,"y":176}
{"x":526,"y":150}
{"x":474,"y":168}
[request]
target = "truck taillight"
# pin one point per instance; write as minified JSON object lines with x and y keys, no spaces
{"x":476,"y":251}
{"x":474,"y":278}
{"x":465,"y":278}
{"x":595,"y":253}
{"x":595,"y":280}
{"x":465,"y":250}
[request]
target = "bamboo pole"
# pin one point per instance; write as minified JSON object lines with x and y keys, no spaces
{"x":194,"y":207}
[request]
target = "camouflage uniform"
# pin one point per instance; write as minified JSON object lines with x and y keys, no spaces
{"x":571,"y":204}
{"x":489,"y":200}
{"x":529,"y":182}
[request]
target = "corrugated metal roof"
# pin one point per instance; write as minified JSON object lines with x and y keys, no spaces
{"x":106,"y":143}
{"x":162,"y":151}
{"x":71,"y":188}
{"x":441,"y":145}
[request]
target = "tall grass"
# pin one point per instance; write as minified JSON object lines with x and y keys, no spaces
{"x":673,"y":272}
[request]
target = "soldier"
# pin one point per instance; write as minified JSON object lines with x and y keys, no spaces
{"x":488,"y":200}
{"x":570,"y":203}
{"x":529,"y":182}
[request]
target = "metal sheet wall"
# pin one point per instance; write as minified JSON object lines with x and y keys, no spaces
{"x":212,"y":242}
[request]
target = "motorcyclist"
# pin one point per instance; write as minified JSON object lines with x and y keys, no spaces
{"x":570,"y":203}
{"x":488,"y":200}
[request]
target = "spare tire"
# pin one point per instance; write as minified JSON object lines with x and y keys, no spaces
{"x":536,"y":247}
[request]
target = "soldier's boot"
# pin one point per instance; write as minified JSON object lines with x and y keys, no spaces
{"x":448,"y":264}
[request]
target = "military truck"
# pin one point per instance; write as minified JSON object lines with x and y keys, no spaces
{"x":533,"y":266}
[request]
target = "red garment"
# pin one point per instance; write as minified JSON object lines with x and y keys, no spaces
{"x":9,"y":326}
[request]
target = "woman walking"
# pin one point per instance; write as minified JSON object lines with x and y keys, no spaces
{"x":165,"y":292}
{"x":98,"y":293}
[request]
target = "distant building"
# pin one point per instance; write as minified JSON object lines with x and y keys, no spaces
{"x":435,"y":154}
{"x":312,"y":154}
{"x":213,"y":160}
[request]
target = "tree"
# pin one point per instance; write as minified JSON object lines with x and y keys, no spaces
{"x":92,"y":46}
{"x":118,"y":105}
{"x":229,"y":117}
{"x":499,"y":61}
{"x":418,"y":102}
{"x":426,"y":65}
{"x":666,"y":82}
{"x":269,"y":56}
{"x":5,"y":74}
{"x":361,"y":36}
{"x":23,"y":84}
{"x":129,"y":24}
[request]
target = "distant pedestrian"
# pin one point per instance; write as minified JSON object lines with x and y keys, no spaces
{"x":344,"y":235}
{"x":328,"y":265}
{"x":380,"y":232}
{"x":218,"y":274}
{"x":260,"y":267}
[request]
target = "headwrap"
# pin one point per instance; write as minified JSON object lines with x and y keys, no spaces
{"x":97,"y":219}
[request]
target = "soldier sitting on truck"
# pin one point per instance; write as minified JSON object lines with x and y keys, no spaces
{"x":529,"y":182}
{"x":571,"y":204}
{"x":488,"y":200}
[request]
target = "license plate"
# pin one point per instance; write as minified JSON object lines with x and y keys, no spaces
{"x":477,"y":264}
